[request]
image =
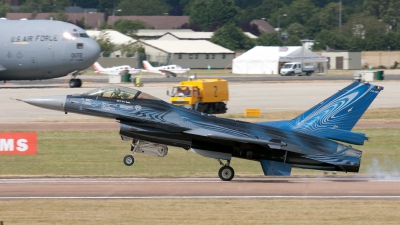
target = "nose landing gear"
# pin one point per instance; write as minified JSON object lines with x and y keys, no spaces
{"x":226,"y":173}
{"x":128,"y":159}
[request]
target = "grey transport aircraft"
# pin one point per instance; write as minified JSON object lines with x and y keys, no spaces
{"x":44,"y":49}
{"x":308,"y":141}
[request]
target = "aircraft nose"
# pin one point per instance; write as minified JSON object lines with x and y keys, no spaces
{"x":94,"y":50}
{"x":55,"y":102}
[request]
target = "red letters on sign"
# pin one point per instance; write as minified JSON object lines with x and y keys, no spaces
{"x":18,"y":143}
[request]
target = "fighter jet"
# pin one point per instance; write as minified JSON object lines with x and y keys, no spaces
{"x":308,"y":141}
{"x":44,"y":49}
{"x":115,"y":70}
{"x":167,"y":70}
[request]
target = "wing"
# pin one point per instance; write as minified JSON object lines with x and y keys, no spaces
{"x":221,"y":136}
{"x":134,"y":71}
{"x":114,"y":72}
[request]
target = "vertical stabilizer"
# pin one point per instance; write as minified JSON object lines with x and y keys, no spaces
{"x":147,"y":65}
{"x":97,"y":67}
{"x":341,"y":111}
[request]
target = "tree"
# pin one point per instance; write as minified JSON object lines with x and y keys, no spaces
{"x":4,"y":8}
{"x":264,"y":10}
{"x":105,"y":43}
{"x":60,"y":16}
{"x":332,"y":39}
{"x":142,"y":7}
{"x":204,"y":12}
{"x":129,"y":27}
{"x":368,"y":28}
{"x":129,"y":50}
{"x":108,"y":6}
{"x":293,"y":41}
{"x":269,"y":39}
{"x":44,"y":6}
{"x":387,"y":10}
{"x":325,"y":19}
{"x":87,"y":3}
{"x":232,"y":37}
{"x":296,"y":29}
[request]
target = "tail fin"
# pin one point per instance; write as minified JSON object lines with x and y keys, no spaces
{"x":341,"y":111}
{"x":147,"y":65}
{"x":97,"y":67}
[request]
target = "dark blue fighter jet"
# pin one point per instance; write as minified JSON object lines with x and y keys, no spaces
{"x":307,"y":141}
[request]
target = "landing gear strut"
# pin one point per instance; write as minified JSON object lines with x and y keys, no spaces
{"x":128,"y":159}
{"x":75,"y":82}
{"x":226,"y":173}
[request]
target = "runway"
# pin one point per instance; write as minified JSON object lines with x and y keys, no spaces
{"x":140,"y":188}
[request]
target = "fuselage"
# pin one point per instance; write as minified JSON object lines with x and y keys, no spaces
{"x":160,"y":122}
{"x":44,"y":49}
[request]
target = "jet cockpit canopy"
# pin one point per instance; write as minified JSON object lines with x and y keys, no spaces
{"x":119,"y":92}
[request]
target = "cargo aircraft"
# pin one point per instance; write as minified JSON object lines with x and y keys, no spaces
{"x":44,"y":49}
{"x":169,"y":70}
{"x":115,"y":70}
{"x":317,"y":139}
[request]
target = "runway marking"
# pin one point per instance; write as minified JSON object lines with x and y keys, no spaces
{"x":189,"y":180}
{"x":210,"y":197}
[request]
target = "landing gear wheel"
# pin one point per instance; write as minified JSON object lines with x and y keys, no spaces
{"x":226,"y":173}
{"x":73,"y":83}
{"x":129,"y":160}
{"x":79,"y":82}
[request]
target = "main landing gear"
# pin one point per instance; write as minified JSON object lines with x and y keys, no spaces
{"x":75,"y":82}
{"x":226,"y":173}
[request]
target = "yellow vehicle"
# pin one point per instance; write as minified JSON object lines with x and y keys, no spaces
{"x":204,"y":95}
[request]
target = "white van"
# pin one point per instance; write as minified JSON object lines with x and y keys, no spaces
{"x":295,"y":68}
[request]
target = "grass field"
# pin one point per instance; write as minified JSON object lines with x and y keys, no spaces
{"x":100,"y":153}
{"x":200,"y":211}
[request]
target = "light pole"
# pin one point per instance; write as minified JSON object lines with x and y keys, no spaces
{"x":279,"y":23}
{"x":113,"y":15}
{"x":388,"y":57}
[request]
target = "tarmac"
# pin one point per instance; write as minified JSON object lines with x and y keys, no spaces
{"x":266,"y":96}
{"x":242,"y":188}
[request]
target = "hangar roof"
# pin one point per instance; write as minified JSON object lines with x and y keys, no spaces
{"x":115,"y":36}
{"x":199,"y":35}
{"x":186,"y":46}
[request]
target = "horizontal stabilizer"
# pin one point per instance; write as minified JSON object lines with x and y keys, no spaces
{"x":2,"y":68}
{"x":273,"y":168}
{"x":355,"y":138}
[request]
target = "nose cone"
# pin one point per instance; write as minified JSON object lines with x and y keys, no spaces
{"x":93,"y":51}
{"x":56,"y":102}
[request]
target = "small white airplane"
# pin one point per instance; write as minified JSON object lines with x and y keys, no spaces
{"x":167,"y":70}
{"x":116,"y":70}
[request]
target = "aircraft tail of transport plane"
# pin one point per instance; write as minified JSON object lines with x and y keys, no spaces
{"x":309,"y":141}
{"x":44,"y":49}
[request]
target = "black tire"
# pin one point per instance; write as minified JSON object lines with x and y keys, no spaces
{"x":72,"y":83}
{"x":226,"y":173}
{"x":129,"y":160}
{"x":75,"y":83}
{"x":308,"y":74}
{"x":78,"y":82}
